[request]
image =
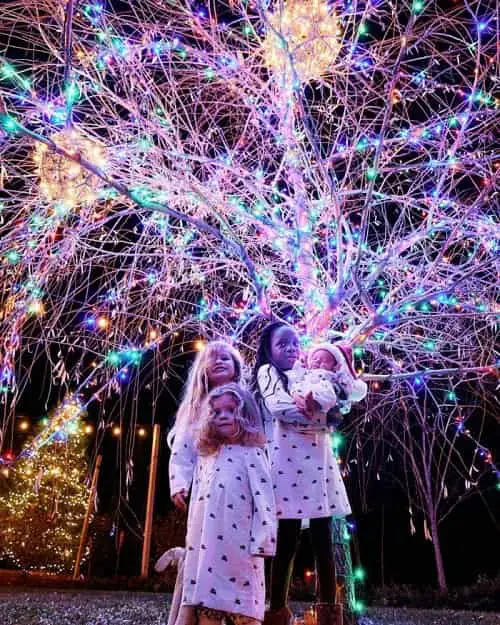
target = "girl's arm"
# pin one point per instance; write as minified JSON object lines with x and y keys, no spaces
{"x":264,"y":523}
{"x":182,"y":462}
{"x":279,"y":403}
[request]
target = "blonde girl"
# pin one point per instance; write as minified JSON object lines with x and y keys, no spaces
{"x":232,"y":520}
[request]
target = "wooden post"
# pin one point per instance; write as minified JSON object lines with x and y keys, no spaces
{"x":86,"y":520}
{"x":146,"y":547}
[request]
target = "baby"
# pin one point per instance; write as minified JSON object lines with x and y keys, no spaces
{"x":329,"y":379}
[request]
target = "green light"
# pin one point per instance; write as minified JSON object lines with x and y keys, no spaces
{"x":13,"y":257}
{"x":72,"y":92}
{"x":61,"y":209}
{"x":337,"y":441}
{"x":430,"y":345}
{"x":247,"y":30}
{"x":134,"y":356}
{"x":72,"y":427}
{"x":209,"y":73}
{"x":451,"y":395}
{"x":113,"y":359}
{"x":371,"y":173}
{"x":363,"y":29}
{"x":8,"y":123}
{"x":44,"y":421}
{"x":358,"y":606}
{"x":7,"y":71}
{"x":144,"y":144}
{"x":359,"y":574}
{"x":418,"y":6}
{"x":359,"y":351}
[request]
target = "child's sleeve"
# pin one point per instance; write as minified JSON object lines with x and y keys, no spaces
{"x":279,"y":403}
{"x":182,"y":462}
{"x":264,"y":523}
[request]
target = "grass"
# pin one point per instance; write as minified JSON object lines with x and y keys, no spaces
{"x":47,"y":607}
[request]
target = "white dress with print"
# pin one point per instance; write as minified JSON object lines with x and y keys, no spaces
{"x":306,"y":477}
{"x":182,"y":463}
{"x":232,"y":524}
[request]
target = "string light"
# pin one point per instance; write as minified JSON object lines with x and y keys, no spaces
{"x":44,"y":499}
{"x":307,"y":196}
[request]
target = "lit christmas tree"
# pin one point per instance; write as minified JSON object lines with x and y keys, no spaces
{"x":43,"y":501}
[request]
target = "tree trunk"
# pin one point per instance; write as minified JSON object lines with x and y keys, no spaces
{"x":382,"y":547}
{"x":438,"y":557}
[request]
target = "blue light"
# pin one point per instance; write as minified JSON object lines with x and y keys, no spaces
{"x":60,"y":436}
{"x":90,"y":322}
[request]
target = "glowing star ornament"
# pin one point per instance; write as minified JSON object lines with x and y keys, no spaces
{"x":64,"y":181}
{"x":305,"y":33}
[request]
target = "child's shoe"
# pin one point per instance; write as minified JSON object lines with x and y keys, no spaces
{"x":283,"y":616}
{"x":328,"y":614}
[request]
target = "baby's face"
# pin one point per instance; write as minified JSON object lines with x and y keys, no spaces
{"x":322,"y":359}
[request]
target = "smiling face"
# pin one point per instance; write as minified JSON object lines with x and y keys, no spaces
{"x":225,"y":409}
{"x":284,"y":348}
{"x":322,"y":359}
{"x":221,"y":368}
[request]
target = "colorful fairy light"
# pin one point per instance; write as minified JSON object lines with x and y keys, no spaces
{"x":251,"y":173}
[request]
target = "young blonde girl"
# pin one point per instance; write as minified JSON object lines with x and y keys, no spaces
{"x":218,"y":363}
{"x":232,"y":523}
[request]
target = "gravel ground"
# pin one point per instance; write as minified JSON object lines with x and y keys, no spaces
{"x":44,"y":607}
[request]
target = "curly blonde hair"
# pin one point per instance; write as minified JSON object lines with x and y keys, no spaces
{"x":197,"y":386}
{"x":208,"y":438}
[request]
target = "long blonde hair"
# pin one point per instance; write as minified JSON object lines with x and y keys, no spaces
{"x":197,"y":386}
{"x":248,"y":418}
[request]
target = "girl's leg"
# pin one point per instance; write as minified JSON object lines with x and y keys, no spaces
{"x":204,"y":619}
{"x":282,"y":565}
{"x":186,"y":615}
{"x":324,"y":556}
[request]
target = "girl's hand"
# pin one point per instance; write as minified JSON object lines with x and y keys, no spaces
{"x":179,"y":500}
{"x":300,"y":402}
{"x":310,"y":406}
{"x":307,"y":405}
